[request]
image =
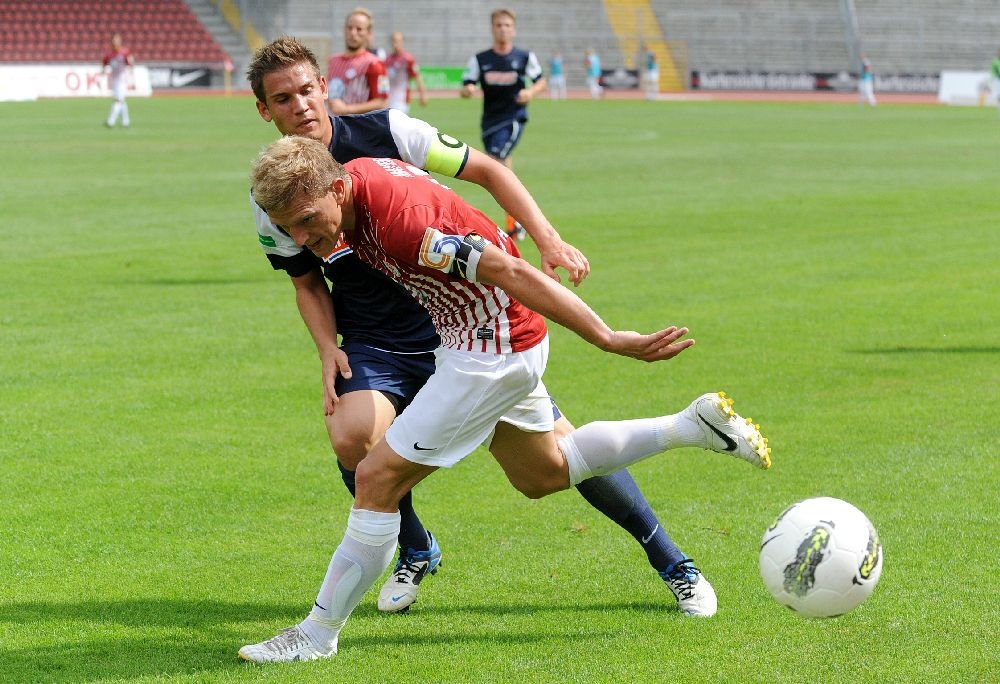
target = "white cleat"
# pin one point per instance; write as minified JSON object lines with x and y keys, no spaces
{"x":291,"y":645}
{"x":695,"y":596}
{"x":726,"y":431}
{"x":400,"y":591}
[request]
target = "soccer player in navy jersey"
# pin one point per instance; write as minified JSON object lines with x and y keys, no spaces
{"x":509,"y":78}
{"x":386,"y":350}
{"x":487,"y":306}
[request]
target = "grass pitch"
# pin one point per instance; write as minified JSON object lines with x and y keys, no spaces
{"x":169,"y":495}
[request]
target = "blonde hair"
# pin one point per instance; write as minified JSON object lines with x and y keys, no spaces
{"x":363,"y":11}
{"x":290,"y":166}
{"x":277,"y":55}
{"x":503,"y":12}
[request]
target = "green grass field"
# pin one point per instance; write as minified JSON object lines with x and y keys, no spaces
{"x":168,"y":493}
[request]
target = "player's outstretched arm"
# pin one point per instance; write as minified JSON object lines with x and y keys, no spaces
{"x":514,"y":198}
{"x":529,"y":286}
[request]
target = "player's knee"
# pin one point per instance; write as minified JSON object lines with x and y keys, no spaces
{"x":350,"y":446}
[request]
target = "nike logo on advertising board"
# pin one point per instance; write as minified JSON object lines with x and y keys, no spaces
{"x":730,"y":442}
{"x":178,"y":80}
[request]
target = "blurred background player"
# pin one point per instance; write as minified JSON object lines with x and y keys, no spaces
{"x":592,"y":62}
{"x":403,"y":68}
{"x":116,"y":63}
{"x":557,"y":77}
{"x":501,"y":73}
{"x":356,"y":77}
{"x":995,"y":75}
{"x":866,"y":82}
{"x":651,"y":73}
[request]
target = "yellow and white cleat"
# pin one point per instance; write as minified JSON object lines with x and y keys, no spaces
{"x":727,"y":432}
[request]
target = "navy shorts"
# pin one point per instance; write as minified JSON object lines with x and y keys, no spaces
{"x":500,"y":141}
{"x":398,"y":376}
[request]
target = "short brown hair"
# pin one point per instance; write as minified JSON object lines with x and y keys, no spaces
{"x":289,"y":166}
{"x":278,"y":54}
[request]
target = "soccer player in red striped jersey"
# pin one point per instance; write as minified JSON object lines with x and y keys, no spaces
{"x":487,"y":305}
{"x":357,"y":78}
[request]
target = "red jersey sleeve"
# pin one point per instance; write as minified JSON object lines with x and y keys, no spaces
{"x":378,"y":79}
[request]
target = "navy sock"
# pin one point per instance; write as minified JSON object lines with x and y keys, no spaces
{"x":619,"y":498}
{"x":412,"y":534}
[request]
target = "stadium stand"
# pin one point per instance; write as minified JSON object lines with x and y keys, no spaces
{"x":901,"y":36}
{"x":158,"y":31}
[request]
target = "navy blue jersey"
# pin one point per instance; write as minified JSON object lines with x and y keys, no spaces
{"x":370,"y":307}
{"x":502,"y":77}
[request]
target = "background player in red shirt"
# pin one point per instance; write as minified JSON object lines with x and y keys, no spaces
{"x":356,"y":78}
{"x":402,"y":67}
{"x":487,"y":387}
{"x":117,"y":62}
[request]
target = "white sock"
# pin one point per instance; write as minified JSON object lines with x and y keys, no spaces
{"x":125,"y":119}
{"x":113,"y":115}
{"x":605,"y":447}
{"x":363,"y":555}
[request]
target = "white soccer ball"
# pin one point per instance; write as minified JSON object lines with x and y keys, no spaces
{"x":821,"y":557}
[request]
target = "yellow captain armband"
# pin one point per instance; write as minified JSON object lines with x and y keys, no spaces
{"x":447,"y":155}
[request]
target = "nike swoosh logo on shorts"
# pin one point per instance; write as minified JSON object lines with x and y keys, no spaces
{"x":420,"y":448}
{"x":730,"y":442}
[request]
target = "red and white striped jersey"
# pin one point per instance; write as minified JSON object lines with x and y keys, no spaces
{"x":357,"y":78}
{"x":410,"y":227}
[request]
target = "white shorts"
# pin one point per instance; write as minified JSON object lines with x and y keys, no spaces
{"x":118,"y":87}
{"x":459,"y":406}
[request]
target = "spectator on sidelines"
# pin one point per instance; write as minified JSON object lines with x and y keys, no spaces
{"x":403,"y":68}
{"x":866,"y":82}
{"x":356,"y":77}
{"x":557,"y":77}
{"x":592,"y":62}
{"x":651,"y":73}
{"x":500,"y":73}
{"x":995,"y":75}
{"x":117,"y":63}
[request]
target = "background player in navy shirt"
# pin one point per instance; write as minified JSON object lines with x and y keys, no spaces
{"x":509,"y":78}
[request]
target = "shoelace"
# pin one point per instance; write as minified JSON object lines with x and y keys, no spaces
{"x":289,"y":640}
{"x":682,"y":578}
{"x":404,"y":568}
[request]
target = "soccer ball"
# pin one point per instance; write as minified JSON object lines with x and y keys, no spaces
{"x":821,"y":557}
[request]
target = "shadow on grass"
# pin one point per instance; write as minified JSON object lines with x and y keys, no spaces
{"x":929,"y":350}
{"x":95,"y":640}
{"x":196,"y":282}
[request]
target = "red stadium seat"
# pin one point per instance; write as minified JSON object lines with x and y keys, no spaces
{"x":77,"y":30}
